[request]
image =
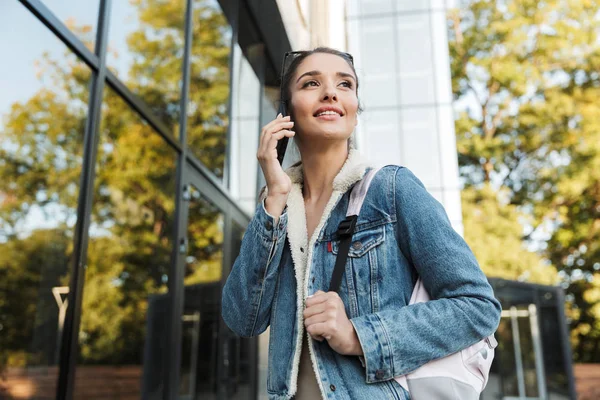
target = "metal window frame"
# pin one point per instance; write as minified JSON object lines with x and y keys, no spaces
{"x":500,"y":285}
{"x":189,"y":169}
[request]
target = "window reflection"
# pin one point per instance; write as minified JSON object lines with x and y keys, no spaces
{"x":205,"y":237}
{"x":201,"y":315}
{"x":43,"y":110}
{"x":208,"y":118}
{"x":128,"y":255}
{"x":81,"y":17}
{"x":145,"y":50}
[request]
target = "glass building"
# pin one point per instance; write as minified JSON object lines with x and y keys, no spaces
{"x":121,"y":210}
{"x":128,"y":173}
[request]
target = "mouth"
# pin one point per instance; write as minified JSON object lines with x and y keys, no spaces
{"x":328,"y":113}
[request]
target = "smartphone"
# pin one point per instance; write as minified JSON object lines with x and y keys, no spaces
{"x":283,"y":142}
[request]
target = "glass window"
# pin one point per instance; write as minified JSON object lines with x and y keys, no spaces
{"x":43,"y":111}
{"x":201,"y":314}
{"x":369,"y":7}
{"x":420,"y":139}
{"x":208,"y":118}
{"x":129,"y":255}
{"x":145,"y":50}
{"x":243,"y":360}
{"x":245,"y":132}
{"x":81,"y":17}
{"x":353,"y":27}
{"x":382,"y":140}
{"x":415,"y":59}
{"x":441,"y":59}
{"x":411,"y":5}
{"x":557,"y":379}
{"x":378,"y":61}
{"x":448,"y":152}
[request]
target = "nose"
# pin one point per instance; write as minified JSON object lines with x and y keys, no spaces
{"x":329,"y":94}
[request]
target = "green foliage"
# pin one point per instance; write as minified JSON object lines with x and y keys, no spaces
{"x":493,"y":231}
{"x":525,"y":78}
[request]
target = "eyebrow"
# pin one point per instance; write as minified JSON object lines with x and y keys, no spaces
{"x":316,"y":73}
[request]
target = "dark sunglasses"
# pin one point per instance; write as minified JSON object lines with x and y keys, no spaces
{"x":290,"y":56}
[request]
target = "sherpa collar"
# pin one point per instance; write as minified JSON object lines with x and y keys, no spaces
{"x":352,"y":171}
{"x":301,"y":246}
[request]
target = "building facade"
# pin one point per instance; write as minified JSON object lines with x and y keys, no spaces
{"x":128,"y":173}
{"x":121,"y":208}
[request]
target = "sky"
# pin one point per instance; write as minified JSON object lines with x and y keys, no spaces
{"x":30,"y":39}
{"x":24,"y":40}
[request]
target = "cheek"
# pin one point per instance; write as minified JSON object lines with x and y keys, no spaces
{"x":301,"y":105}
{"x":352,"y":108}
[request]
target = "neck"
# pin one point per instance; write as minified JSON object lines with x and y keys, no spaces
{"x":320,"y":166}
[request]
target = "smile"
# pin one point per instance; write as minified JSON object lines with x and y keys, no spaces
{"x":329,"y":112}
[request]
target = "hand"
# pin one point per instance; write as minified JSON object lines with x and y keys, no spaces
{"x":278,"y":182}
{"x":325,"y":318}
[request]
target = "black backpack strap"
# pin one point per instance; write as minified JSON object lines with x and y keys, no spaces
{"x":344,"y":232}
{"x":346,"y":227}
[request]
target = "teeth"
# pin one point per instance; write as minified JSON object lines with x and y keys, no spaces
{"x":327,"y":113}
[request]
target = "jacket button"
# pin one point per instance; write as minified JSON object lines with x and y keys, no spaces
{"x":379,"y":374}
{"x":313,"y":279}
{"x":269,"y":225}
{"x":357,"y":245}
{"x":332,"y":387}
{"x":302,"y":249}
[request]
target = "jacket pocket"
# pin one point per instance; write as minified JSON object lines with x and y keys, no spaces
{"x":362,"y":242}
{"x":361,"y":273}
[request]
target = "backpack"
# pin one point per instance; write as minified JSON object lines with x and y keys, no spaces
{"x":459,"y":376}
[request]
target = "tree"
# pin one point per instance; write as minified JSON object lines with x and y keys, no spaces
{"x":493,"y":231}
{"x":526,"y":83}
{"x":134,"y":190}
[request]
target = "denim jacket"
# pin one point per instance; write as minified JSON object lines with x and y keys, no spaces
{"x":401,"y":231}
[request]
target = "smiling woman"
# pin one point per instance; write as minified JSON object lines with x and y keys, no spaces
{"x":353,"y":343}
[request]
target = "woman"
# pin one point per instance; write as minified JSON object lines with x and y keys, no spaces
{"x":351,"y":345}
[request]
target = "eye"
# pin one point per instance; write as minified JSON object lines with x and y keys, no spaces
{"x":309,"y":83}
{"x":348,"y":84}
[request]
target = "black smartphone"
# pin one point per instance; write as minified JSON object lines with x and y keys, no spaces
{"x":283,"y":142}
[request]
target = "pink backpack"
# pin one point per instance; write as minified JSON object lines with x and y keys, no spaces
{"x":459,"y":376}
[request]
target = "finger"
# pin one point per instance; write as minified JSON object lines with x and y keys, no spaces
{"x":266,"y":134}
{"x":279,"y":126}
{"x":278,"y":135}
{"x":315,"y":309}
{"x":320,"y":329}
{"x":318,"y":297}
{"x":271,"y":145}
{"x":318,"y":338}
{"x":268,"y":127}
{"x":317,"y":319}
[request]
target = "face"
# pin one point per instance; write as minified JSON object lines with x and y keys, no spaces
{"x":324,"y":104}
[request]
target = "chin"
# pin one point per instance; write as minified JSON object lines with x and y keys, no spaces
{"x":331,"y":135}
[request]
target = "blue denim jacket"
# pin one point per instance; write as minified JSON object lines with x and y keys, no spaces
{"x":402,"y":231}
